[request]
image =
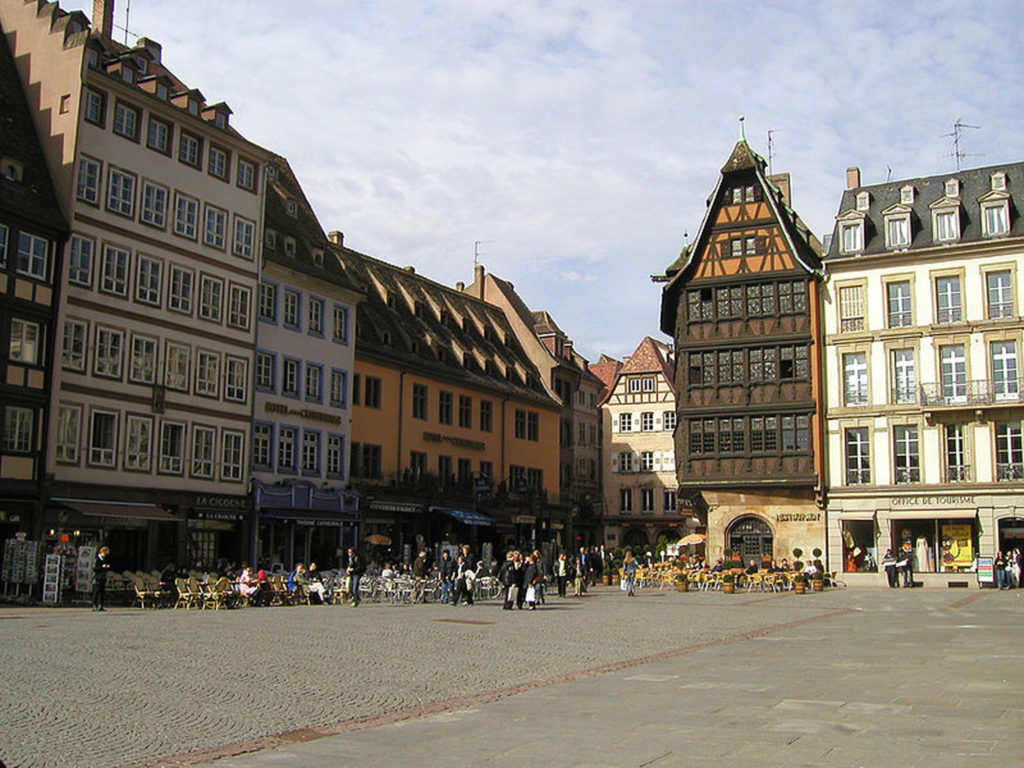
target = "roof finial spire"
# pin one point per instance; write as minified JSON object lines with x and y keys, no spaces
{"x":743,"y":130}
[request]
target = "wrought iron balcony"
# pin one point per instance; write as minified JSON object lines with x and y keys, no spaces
{"x":903,"y":396}
{"x":973,"y":393}
{"x":908,"y":475}
{"x":958,"y":473}
{"x":1010,"y":471}
{"x":858,"y":476}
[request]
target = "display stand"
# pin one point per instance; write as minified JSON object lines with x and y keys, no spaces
{"x":52,"y":572}
{"x":20,"y":569}
{"x":84,"y":569}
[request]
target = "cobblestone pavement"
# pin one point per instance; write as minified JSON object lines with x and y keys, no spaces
{"x":822,"y":679}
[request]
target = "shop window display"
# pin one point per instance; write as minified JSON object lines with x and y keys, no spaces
{"x":859,"y":552}
{"x":939,"y":546}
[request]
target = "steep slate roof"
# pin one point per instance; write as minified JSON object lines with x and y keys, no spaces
{"x":304,"y":227}
{"x":804,"y":246}
{"x":974,"y":183}
{"x":32,"y":198}
{"x":451,"y":327}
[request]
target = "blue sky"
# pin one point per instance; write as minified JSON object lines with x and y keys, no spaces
{"x":580,"y":140}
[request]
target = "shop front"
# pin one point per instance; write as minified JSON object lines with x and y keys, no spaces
{"x":141,"y":535}
{"x":301,"y":523}
{"x":943,"y":534}
{"x":219,"y":531}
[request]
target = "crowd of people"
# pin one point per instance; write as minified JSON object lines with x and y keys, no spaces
{"x":1007,"y":568}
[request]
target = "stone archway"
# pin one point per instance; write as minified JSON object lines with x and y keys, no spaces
{"x":635,"y":537}
{"x":751,"y":538}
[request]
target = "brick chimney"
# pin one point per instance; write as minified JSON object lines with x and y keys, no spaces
{"x":852,"y":177}
{"x":782,"y":183}
{"x":103,"y":17}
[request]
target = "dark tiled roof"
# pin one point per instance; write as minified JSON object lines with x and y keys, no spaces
{"x":304,"y":227}
{"x":451,"y":323}
{"x":33,"y":197}
{"x":974,"y":183}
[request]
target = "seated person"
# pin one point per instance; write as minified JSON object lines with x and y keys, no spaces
{"x":298,"y":581}
{"x":752,"y":568}
{"x":387,"y":572}
{"x":719,"y":566}
{"x":248,"y":586}
{"x":316,"y":585}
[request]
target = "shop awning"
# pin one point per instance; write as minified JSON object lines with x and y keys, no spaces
{"x":856,"y":514}
{"x":465,"y":516}
{"x":117,"y":509}
{"x":932,"y":514}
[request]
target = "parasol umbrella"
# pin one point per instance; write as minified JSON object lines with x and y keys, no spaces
{"x":693,"y":538}
{"x":377,"y":538}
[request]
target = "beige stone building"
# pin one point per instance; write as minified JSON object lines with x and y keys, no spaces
{"x":152,"y":397}
{"x":638,"y":420}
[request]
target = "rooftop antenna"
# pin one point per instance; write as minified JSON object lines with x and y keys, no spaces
{"x":743,"y":130}
{"x":476,"y":250}
{"x":888,"y":174}
{"x":958,"y":129}
{"x":770,"y":132}
{"x":127,"y":13}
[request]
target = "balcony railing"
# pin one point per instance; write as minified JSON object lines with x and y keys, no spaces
{"x":903,"y":396}
{"x":958,"y":473}
{"x":974,"y":393}
{"x":858,"y":476}
{"x":1010,"y":471}
{"x":908,"y":475}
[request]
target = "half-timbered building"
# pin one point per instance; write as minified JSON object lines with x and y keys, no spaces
{"x":742,"y":304}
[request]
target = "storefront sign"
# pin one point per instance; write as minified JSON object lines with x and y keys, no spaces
{"x":216,"y":514}
{"x":932,"y":501}
{"x":458,"y":442}
{"x":212,"y":501}
{"x":305,"y":413}
{"x":395,"y":506}
{"x":798,"y":517}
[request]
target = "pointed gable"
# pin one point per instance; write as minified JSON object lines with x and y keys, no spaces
{"x":748,"y":229}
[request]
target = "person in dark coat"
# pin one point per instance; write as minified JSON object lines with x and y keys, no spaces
{"x":100,"y":568}
{"x":531,"y":578}
{"x":464,"y":577}
{"x":447,"y":571}
{"x":354,"y":571}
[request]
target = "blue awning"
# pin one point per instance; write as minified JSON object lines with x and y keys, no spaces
{"x":465,"y":516}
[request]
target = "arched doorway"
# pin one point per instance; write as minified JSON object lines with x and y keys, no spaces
{"x":751,"y":538}
{"x":635,"y":537}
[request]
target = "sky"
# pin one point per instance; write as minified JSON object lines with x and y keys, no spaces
{"x":571,"y":146}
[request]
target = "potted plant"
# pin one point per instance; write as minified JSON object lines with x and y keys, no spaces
{"x":682,"y":581}
{"x":799,"y":583}
{"x":728,"y":583}
{"x":818,"y":580}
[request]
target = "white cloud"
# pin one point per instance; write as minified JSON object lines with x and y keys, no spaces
{"x":582,"y":139}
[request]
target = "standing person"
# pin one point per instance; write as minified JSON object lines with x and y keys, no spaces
{"x":561,"y":573}
{"x":629,"y":573}
{"x":447,"y":571}
{"x":906,"y":564}
{"x":579,"y":583}
{"x":889,"y":566}
{"x":531,"y":577}
{"x":464,"y":576}
{"x":100,"y":568}
{"x":1013,"y":567}
{"x":354,"y":571}
{"x":1000,"y":567}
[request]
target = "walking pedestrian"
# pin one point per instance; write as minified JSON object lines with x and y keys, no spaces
{"x":354,"y":571}
{"x":889,"y":566}
{"x":101,"y":566}
{"x":561,"y":573}
{"x":629,"y":574}
{"x":464,"y":577}
{"x":447,"y":571}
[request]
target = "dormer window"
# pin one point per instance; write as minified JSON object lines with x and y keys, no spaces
{"x":92,"y":58}
{"x":863,"y":201}
{"x":221,"y":120}
{"x":271,"y":239}
{"x":952,"y":188}
{"x":746,"y":194}
{"x":161,"y":91}
{"x":907,"y":195}
{"x":851,"y":237}
{"x":193,"y":107}
{"x":945,"y":225}
{"x":142,"y":64}
{"x":127,"y":75}
{"x":995,"y":218}
{"x":318,"y":257}
{"x":897,"y":230}
{"x":999,"y":181}
{"x":11,"y":170}
{"x":291,"y":208}
{"x":289,"y":246}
